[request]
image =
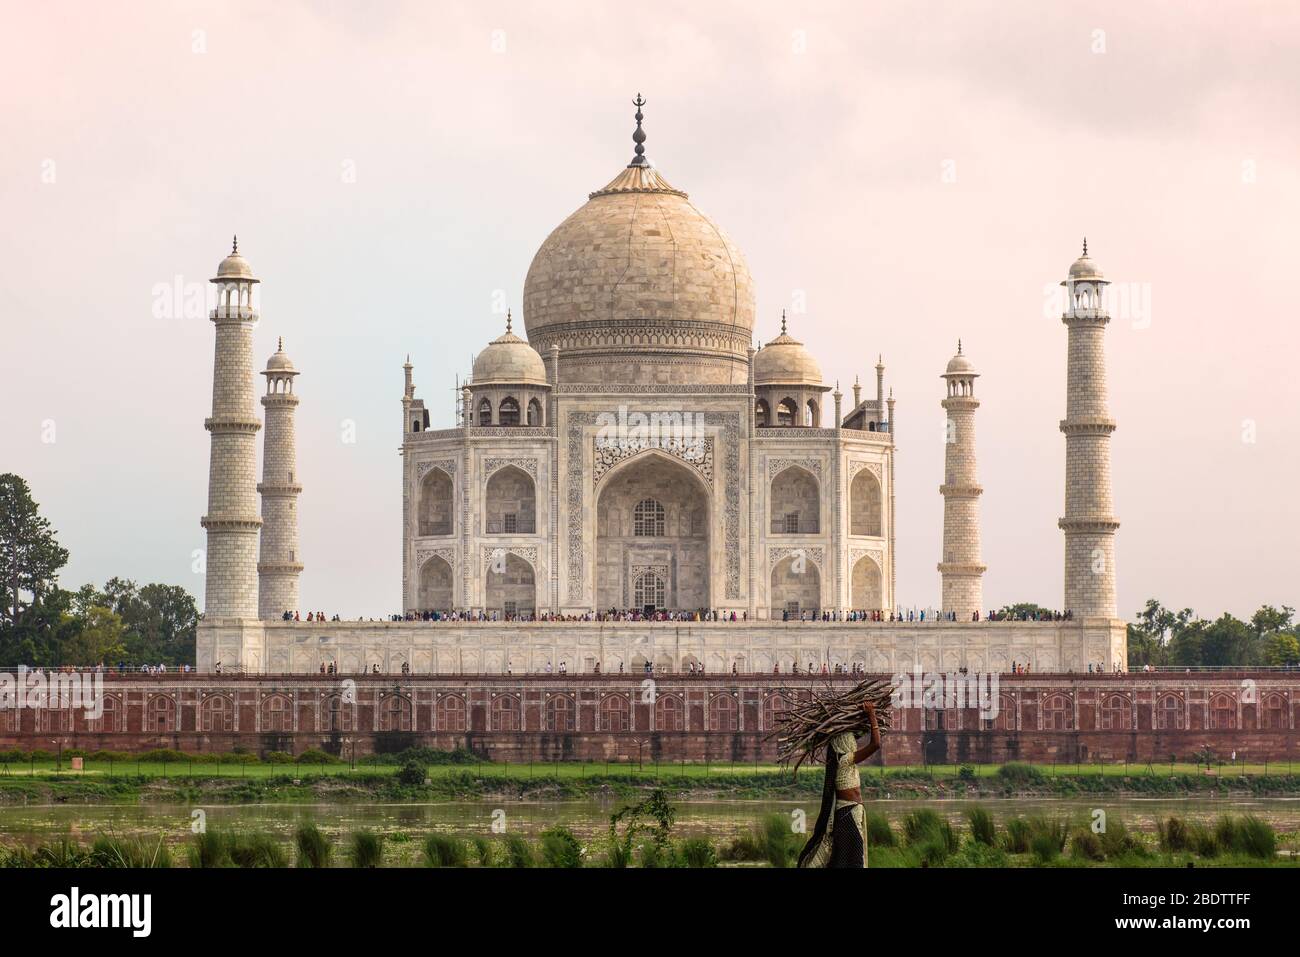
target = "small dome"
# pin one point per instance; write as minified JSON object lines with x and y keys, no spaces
{"x":509,"y":360}
{"x":279,"y":362}
{"x":785,"y":361}
{"x":235,"y":266}
{"x":959,"y":364}
{"x":1084,"y":269}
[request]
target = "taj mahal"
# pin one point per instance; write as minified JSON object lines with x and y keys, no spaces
{"x":635,"y":482}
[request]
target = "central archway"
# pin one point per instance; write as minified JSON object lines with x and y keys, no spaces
{"x":652,"y":536}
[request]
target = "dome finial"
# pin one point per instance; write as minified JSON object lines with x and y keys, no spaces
{"x":638,"y":136}
{"x":782,"y":322}
{"x":958,"y":347}
{"x":280,"y":348}
{"x":234,"y":247}
{"x":509,"y":320}
{"x":1085,"y":245}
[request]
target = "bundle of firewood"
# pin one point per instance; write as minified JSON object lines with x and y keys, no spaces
{"x":811,"y":719}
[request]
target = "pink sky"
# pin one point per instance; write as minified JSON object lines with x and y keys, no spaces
{"x":139,"y":136}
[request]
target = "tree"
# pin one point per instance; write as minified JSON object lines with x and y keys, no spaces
{"x":95,"y":639}
{"x":30,"y":557}
{"x":1228,"y":641}
{"x":1026,"y":608}
{"x":1268,"y":620}
{"x":1281,"y":649}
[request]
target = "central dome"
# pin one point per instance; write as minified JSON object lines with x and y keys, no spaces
{"x":639,"y":287}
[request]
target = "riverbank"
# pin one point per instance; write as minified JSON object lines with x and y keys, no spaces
{"x":205,"y":784}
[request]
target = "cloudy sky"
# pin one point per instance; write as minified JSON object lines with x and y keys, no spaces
{"x":914,"y":171}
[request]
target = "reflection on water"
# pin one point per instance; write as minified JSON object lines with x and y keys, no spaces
{"x":719,"y":819}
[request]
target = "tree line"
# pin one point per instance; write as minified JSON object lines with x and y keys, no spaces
{"x":46,"y":625}
{"x":1161,"y":636}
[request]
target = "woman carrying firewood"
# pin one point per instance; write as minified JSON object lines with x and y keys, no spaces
{"x":831,"y":723}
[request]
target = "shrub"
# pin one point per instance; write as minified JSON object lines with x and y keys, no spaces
{"x":560,"y":848}
{"x":162,"y":756}
{"x":975,"y":854}
{"x":1019,"y":773}
{"x":929,"y":836}
{"x":257,"y":850}
{"x":617,"y":855}
{"x":777,"y":839}
{"x":743,"y":847}
{"x":366,"y":849}
{"x":317,"y":756}
{"x":1248,"y":835}
{"x":210,"y":848}
{"x":1016,"y":839}
{"x":982,"y":828}
{"x":879,"y":833}
{"x":1044,"y":848}
{"x":1174,"y":834}
{"x":519,"y":853}
{"x":1086,"y":845}
{"x":440,"y":850}
{"x":314,"y":848}
{"x":966,"y":772}
{"x":130,"y":852}
{"x":698,"y":852}
{"x":278,"y":757}
{"x":1051,"y":829}
{"x":655,"y":855}
{"x":412,"y":774}
{"x":1116,"y":839}
{"x":482,"y":850}
{"x":38,"y":754}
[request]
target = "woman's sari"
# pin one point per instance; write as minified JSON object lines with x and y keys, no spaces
{"x":839,"y":838}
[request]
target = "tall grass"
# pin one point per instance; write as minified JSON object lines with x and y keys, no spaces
{"x":441,"y":850}
{"x":982,"y":828}
{"x":314,"y":848}
{"x":929,"y":837}
{"x":697,"y":852}
{"x":560,"y":848}
{"x":366,"y":849}
{"x":879,"y":831}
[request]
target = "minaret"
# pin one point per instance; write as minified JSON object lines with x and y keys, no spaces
{"x":279,"y":567}
{"x":962,"y":569}
{"x":232,"y":520}
{"x":1089,"y":524}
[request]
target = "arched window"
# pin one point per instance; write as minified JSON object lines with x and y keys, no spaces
{"x":649,"y":590}
{"x":795,"y":503}
{"x":559,"y":713}
{"x":337,"y":714}
{"x":785,"y":413}
{"x":505,"y":713}
{"x":1058,"y":713}
{"x":395,"y":713}
{"x":810,"y":414}
{"x":865,"y":504}
{"x":277,"y":714}
{"x":534,"y":412}
{"x":110,"y":715}
{"x":724,"y":714}
{"x":1223,"y":713}
{"x":160,"y":715}
{"x":773,"y":705}
{"x":648,"y":519}
{"x":1116,"y":714}
{"x":56,"y":714}
{"x":437,"y":515}
{"x":1169,"y":713}
{"x":762,"y":413}
{"x":613,"y":713}
{"x":449,"y":713}
{"x":1273,"y":714}
{"x":217,"y":714}
{"x":484,"y":413}
{"x":1005,"y":719}
{"x":508,"y":414}
{"x":669,"y":713}
{"x":510,"y":502}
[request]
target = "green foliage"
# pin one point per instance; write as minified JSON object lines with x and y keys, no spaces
{"x":1018,"y":773}
{"x":314,"y":849}
{"x":982,"y":828}
{"x":745,"y":846}
{"x":30,"y":558}
{"x":653,"y":816}
{"x":779,"y":843}
{"x":442,"y":850}
{"x":109,"y":851}
{"x":1247,"y":835}
{"x":519,"y":852}
{"x":366,"y":849}
{"x":1016,"y":837}
{"x":879,"y":831}
{"x":412,"y":774}
{"x":426,"y":756}
{"x":1086,"y":844}
{"x":482,"y":851}
{"x":976,"y":854}
{"x":966,"y":773}
{"x":697,"y":852}
{"x":317,"y":756}
{"x":1044,"y":848}
{"x":257,"y":850}
{"x":930,"y":837}
{"x":560,"y":848}
{"x":210,"y":848}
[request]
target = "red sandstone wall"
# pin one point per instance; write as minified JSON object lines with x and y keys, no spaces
{"x":1042,"y":718}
